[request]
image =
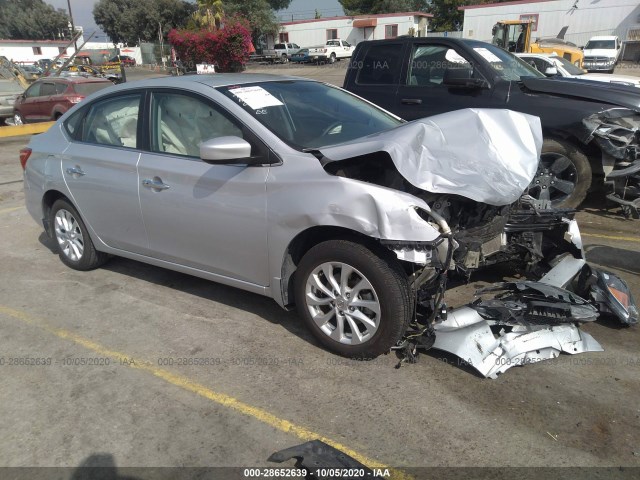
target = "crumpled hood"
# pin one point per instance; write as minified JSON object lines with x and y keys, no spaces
{"x":487,"y":155}
{"x":613,"y":94}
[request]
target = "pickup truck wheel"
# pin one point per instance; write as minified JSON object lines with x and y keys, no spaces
{"x":355,"y":303}
{"x":332,"y":57}
{"x":563,"y":176}
{"x":284,"y":58}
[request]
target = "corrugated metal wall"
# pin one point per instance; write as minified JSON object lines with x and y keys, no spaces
{"x":587,"y":19}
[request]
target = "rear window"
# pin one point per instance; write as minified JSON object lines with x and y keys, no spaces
{"x":381,"y":65}
{"x":280,"y":46}
{"x":90,"y":87}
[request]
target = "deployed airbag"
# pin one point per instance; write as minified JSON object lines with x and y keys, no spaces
{"x":487,"y":155}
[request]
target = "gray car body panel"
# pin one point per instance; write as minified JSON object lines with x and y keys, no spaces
{"x":259,"y":210}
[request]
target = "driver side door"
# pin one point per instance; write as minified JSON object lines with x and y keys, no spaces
{"x":210,"y":217}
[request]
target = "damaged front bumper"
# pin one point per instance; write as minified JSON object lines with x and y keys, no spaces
{"x":617,"y":133}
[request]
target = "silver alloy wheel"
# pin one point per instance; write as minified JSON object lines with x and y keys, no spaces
{"x":342,"y":303}
{"x":17,"y":119}
{"x":69,"y":235}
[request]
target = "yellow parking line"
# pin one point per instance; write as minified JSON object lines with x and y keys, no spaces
{"x":12,"y":209}
{"x":29,"y":129}
{"x":611,"y":237}
{"x":185,"y":383}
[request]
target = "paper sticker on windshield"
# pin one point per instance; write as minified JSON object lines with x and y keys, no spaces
{"x":256,"y":97}
{"x":487,"y":55}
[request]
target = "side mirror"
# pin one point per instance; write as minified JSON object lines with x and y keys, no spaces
{"x":551,"y":71}
{"x":461,"y":78}
{"x":227,"y":150}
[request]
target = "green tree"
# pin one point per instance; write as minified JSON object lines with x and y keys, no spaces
{"x":133,"y":21}
{"x":208,"y":15}
{"x":32,"y":20}
{"x":259,"y":13}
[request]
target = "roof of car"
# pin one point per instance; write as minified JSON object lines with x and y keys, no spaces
{"x":213,"y":80}
{"x":72,"y":79}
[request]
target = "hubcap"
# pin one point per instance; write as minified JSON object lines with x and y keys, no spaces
{"x":555,"y":179}
{"x":69,"y":235}
{"x":17,"y":119}
{"x":342,"y":303}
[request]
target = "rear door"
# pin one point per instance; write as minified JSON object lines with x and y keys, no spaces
{"x":100,"y":169}
{"x":376,"y":73}
{"x":209,"y":217}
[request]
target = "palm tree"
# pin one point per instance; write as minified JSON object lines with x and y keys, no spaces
{"x":208,"y":16}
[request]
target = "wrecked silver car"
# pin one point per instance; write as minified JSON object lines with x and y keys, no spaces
{"x":288,"y":188}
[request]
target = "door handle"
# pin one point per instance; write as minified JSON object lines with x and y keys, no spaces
{"x":76,"y":171}
{"x":411,"y":101}
{"x":155,"y":184}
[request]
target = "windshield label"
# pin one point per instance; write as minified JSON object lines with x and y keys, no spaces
{"x":256,"y":97}
{"x":487,"y":55}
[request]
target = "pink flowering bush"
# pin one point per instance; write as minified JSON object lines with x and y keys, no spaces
{"x":228,"y":47}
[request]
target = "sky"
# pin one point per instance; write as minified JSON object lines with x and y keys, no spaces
{"x":299,"y":9}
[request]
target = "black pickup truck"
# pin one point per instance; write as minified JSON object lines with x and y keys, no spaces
{"x":591,"y":130}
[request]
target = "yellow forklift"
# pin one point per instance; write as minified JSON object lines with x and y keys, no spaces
{"x":515,"y":36}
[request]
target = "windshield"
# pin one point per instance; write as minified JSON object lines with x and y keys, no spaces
{"x":569,"y":67}
{"x":309,"y":114}
{"x":600,"y":44}
{"x":90,"y":87}
{"x":506,"y":65}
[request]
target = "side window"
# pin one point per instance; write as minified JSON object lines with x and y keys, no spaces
{"x":381,"y":65}
{"x":47,"y":89}
{"x":33,"y":91}
{"x":430,"y":62}
{"x":60,"y":88}
{"x":73,"y":124}
{"x":113,"y":122}
{"x":179,"y":123}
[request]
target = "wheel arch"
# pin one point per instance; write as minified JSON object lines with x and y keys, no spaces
{"x":309,"y":238}
{"x":48,"y":199}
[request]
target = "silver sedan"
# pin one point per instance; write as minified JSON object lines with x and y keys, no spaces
{"x":285,"y":187}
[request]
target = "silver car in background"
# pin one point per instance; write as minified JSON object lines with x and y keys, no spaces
{"x":284,"y":187}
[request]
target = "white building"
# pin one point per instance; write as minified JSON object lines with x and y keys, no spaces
{"x":353,"y":29}
{"x":29,"y":51}
{"x":585,"y":18}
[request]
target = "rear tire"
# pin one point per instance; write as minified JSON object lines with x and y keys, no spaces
{"x":564,"y":174}
{"x":332,"y":58}
{"x":355,"y":303}
{"x":75,"y":248}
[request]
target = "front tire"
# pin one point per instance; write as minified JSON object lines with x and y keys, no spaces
{"x":355,"y":303}
{"x":332,"y":58}
{"x":75,"y":248}
{"x":18,"y":119}
{"x":564,"y":175}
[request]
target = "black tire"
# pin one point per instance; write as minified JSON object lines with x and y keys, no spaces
{"x":332,"y":58}
{"x":19,"y":116}
{"x":90,"y":258}
{"x":564,"y":174}
{"x":284,"y":58}
{"x":389,"y":283}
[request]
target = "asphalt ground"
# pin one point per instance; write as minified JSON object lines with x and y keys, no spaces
{"x":135,"y":366}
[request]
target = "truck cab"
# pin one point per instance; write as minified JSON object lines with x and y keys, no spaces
{"x":601,"y":54}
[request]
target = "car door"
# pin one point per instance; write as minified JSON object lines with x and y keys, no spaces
{"x":27,"y":105}
{"x":205,"y":216}
{"x":100,"y":169}
{"x":43,"y":104}
{"x":422,"y":91}
{"x":378,"y":73}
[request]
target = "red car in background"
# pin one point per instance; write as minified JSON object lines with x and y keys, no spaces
{"x":49,"y":98}
{"x":125,"y":59}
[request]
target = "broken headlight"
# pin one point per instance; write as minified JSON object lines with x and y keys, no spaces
{"x":617,"y":296}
